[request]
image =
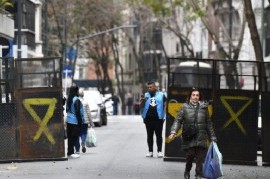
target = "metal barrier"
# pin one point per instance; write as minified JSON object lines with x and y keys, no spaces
{"x":32,"y":126}
{"x":234,"y":89}
{"x":236,"y":120}
{"x":265,"y":116}
{"x":8,"y":132}
{"x":7,"y":66}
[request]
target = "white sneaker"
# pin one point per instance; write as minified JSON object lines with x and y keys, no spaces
{"x":74,"y":156}
{"x":160,"y":155}
{"x":149,"y":154}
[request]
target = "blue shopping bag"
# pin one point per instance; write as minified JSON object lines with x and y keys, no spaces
{"x":212,"y":166}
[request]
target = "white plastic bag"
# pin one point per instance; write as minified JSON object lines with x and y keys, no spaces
{"x":91,"y":140}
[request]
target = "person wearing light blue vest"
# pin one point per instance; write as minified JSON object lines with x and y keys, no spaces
{"x":153,"y":105}
{"x":74,"y":120}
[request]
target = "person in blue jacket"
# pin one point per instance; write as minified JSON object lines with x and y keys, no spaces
{"x":74,"y":120}
{"x":153,"y":105}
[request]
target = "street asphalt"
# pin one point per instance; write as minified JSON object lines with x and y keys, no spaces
{"x":120,"y":154}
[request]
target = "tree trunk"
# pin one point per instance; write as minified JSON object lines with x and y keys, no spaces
{"x":255,"y":39}
{"x":118,"y":75}
{"x":253,"y":30}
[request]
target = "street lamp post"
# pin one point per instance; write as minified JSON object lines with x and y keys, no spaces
{"x":102,"y":32}
{"x":94,"y":35}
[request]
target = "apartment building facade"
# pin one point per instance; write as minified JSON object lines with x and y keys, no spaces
{"x":225,"y":18}
{"x":30,"y":30}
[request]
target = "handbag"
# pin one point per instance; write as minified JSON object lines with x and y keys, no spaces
{"x":212,"y":166}
{"x":91,"y":140}
{"x":191,"y":131}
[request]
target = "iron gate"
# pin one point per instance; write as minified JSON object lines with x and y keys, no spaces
{"x":233,"y":90}
{"x":31,"y":116}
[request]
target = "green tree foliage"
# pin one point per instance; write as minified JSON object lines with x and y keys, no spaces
{"x":4,"y":4}
{"x":166,"y":7}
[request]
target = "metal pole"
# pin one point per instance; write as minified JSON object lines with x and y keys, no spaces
{"x":1,"y":72}
{"x":0,"y":63}
{"x":230,"y":27}
{"x":45,"y":37}
{"x":262,"y":28}
{"x":65,"y":34}
{"x":19,"y":35}
{"x":65,"y":88}
{"x":102,"y":32}
{"x":76,"y":41}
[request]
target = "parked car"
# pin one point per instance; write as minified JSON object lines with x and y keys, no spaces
{"x":97,"y":106}
{"x":108,"y":103}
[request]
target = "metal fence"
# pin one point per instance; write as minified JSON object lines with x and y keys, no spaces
{"x":234,"y":90}
{"x":31,"y":116}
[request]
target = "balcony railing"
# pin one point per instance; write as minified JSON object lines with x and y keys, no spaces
{"x":7,"y":24}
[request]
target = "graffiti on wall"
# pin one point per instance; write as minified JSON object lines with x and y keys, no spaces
{"x":235,"y":114}
{"x":43,"y":128}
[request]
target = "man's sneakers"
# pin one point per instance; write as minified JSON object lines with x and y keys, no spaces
{"x":160,"y":155}
{"x":73,"y":156}
{"x":149,"y":154}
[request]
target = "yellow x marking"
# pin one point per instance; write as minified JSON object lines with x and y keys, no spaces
{"x":42,"y":122}
{"x":234,"y":116}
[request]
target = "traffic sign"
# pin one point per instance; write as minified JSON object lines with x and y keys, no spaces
{"x":67,"y":71}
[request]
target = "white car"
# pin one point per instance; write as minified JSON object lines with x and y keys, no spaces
{"x":108,"y":103}
{"x":97,"y":106}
